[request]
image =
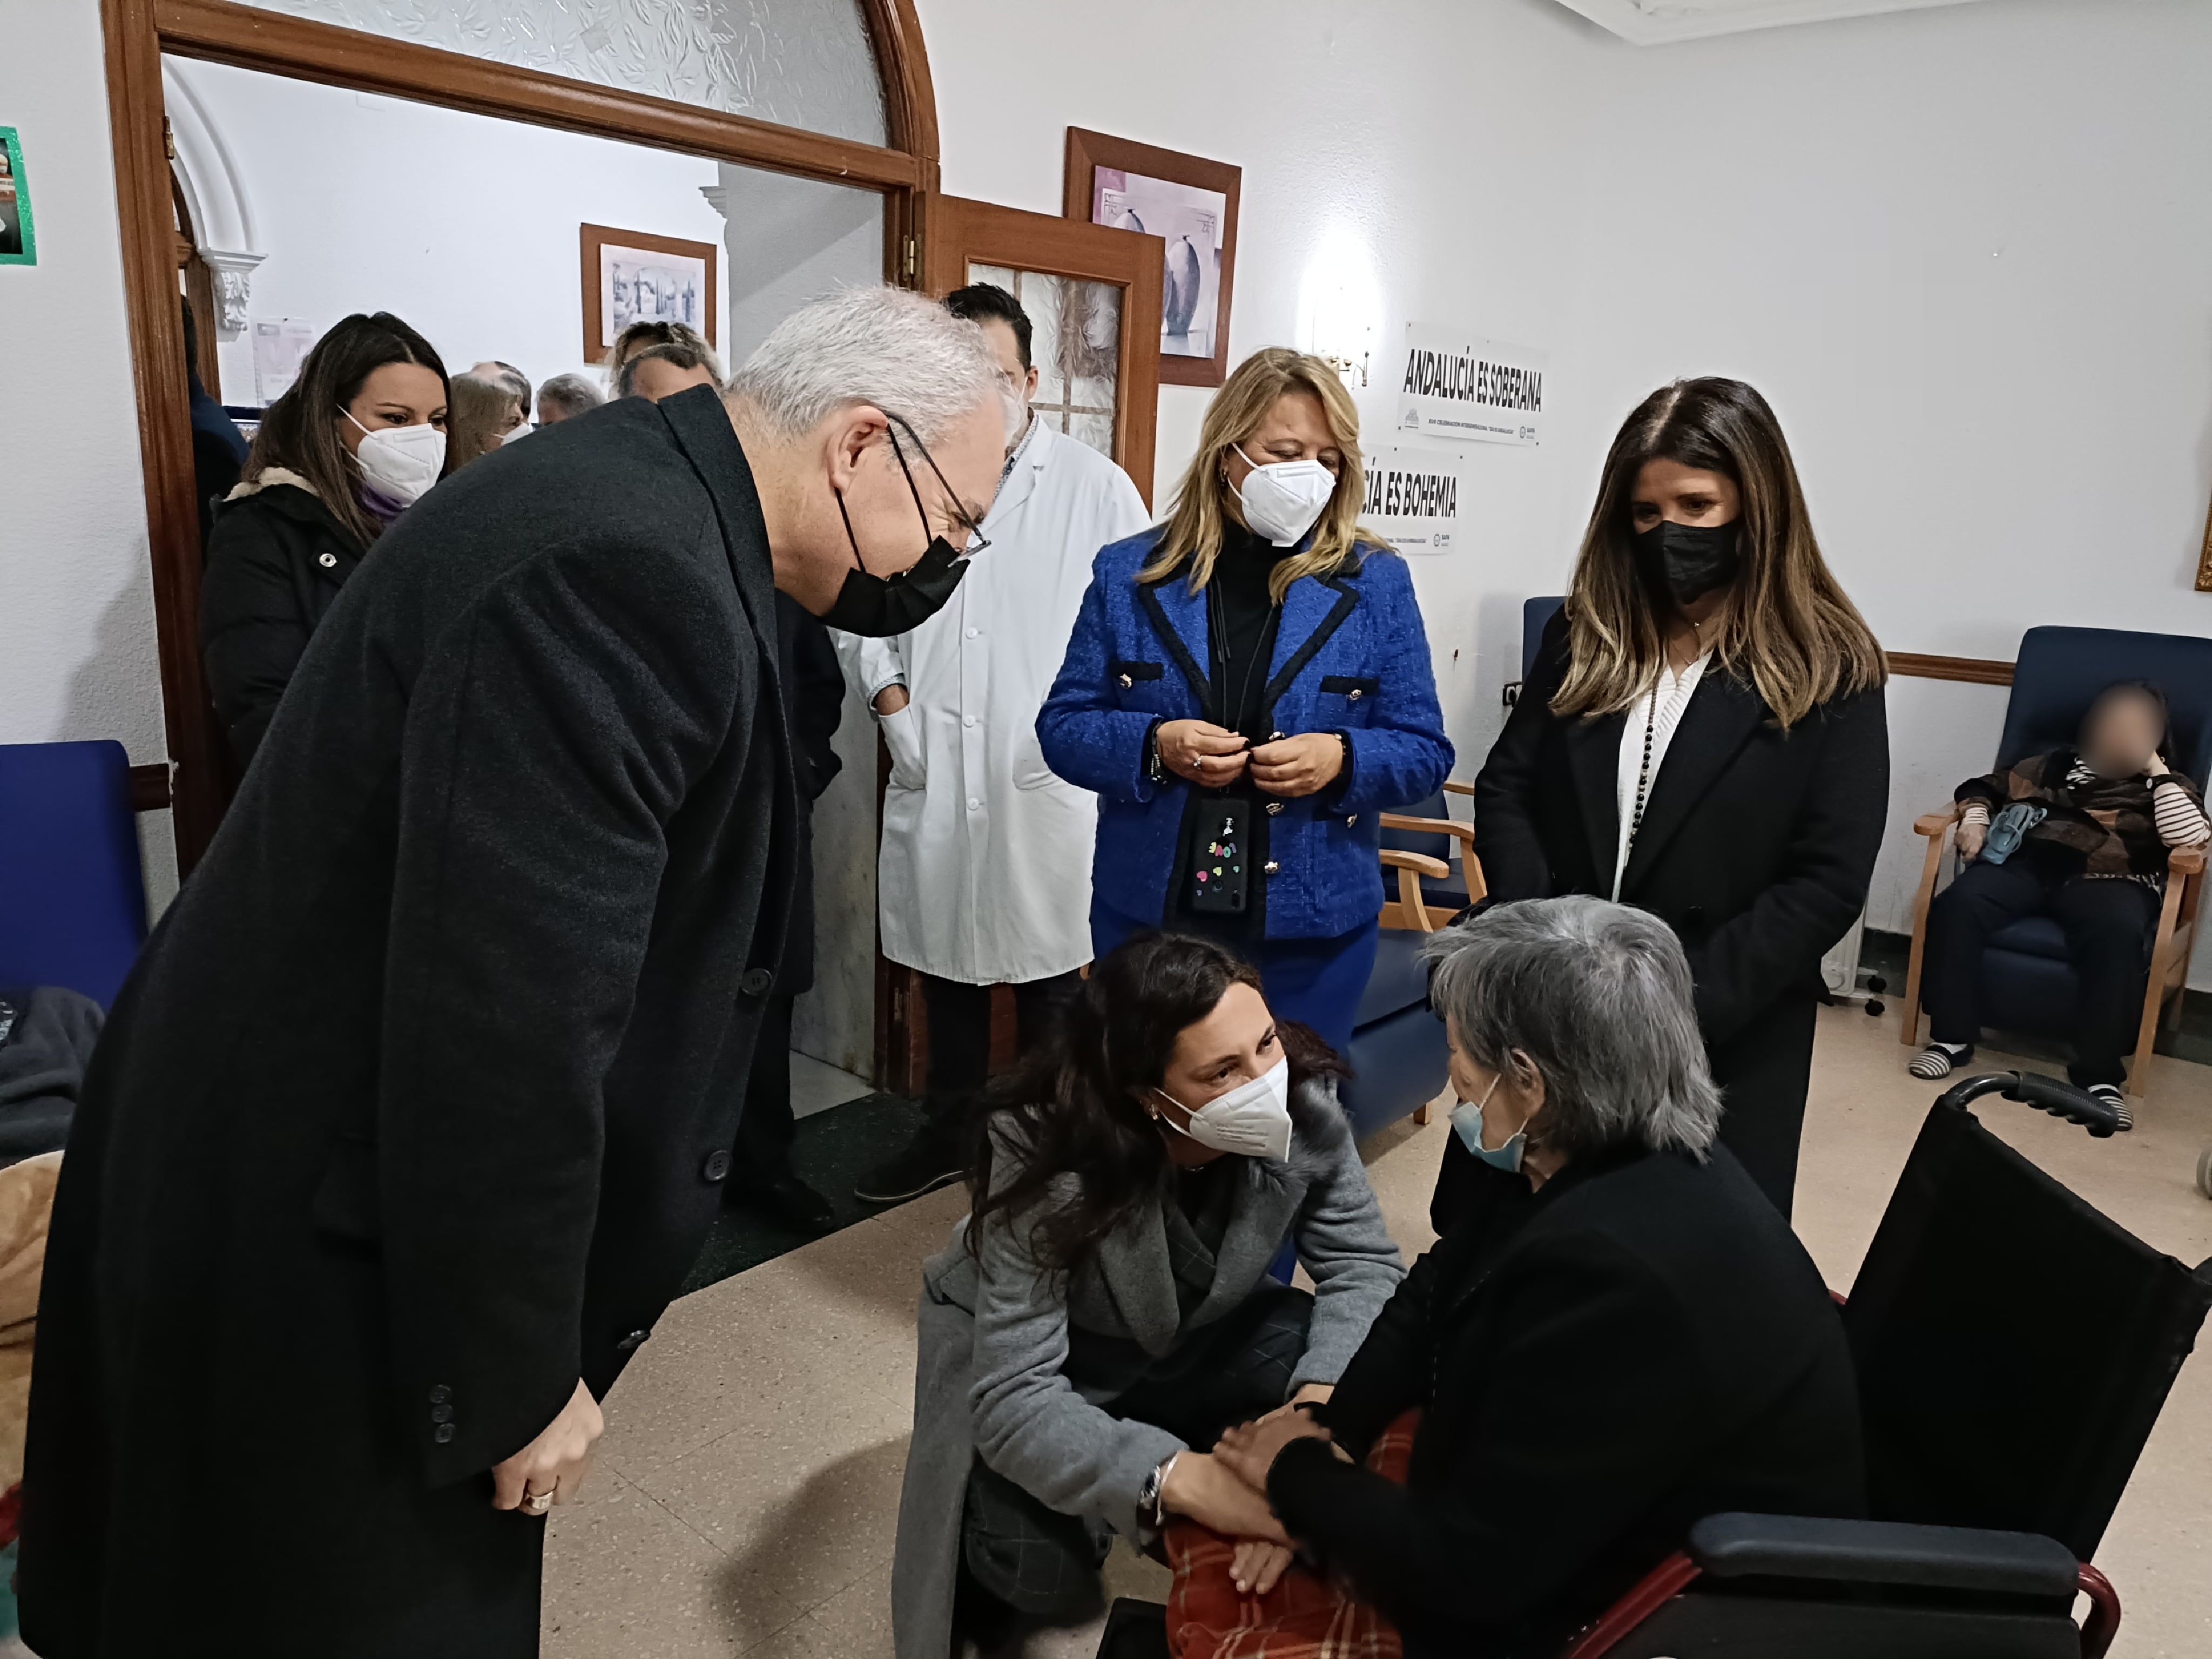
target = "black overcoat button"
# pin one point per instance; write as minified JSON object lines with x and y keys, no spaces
{"x":441,"y":1413}
{"x":755,"y":982}
{"x":443,"y":1433}
{"x":717,"y":1164}
{"x":440,"y":1394}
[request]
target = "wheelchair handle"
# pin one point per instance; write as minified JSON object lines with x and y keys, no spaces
{"x":2048,"y":1094}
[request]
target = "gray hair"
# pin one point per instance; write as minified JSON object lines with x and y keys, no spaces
{"x":907,"y":355}
{"x":1599,"y":997}
{"x":571,"y":394}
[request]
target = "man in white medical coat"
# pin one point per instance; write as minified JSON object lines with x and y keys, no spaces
{"x":985,"y":872}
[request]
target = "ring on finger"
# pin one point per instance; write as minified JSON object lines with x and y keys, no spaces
{"x":537,"y":1502}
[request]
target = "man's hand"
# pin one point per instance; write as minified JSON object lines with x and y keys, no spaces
{"x":1200,"y":1487}
{"x":891,"y":700}
{"x":1971,"y":837}
{"x":1291,"y":767}
{"x":1201,"y":751}
{"x":1249,"y":1452}
{"x":551,"y":1468}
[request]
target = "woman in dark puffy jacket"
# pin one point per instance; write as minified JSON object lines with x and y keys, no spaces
{"x":355,"y":442}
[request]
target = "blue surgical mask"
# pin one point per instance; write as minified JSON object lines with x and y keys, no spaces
{"x":1466,"y":1122}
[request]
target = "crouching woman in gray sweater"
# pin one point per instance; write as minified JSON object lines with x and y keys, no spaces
{"x":1105,"y":1310}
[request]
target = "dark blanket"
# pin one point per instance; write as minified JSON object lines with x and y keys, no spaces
{"x":46,"y":1036}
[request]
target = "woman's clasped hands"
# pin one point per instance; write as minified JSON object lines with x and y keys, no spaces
{"x":1214,"y":755}
{"x":1226,"y":1490}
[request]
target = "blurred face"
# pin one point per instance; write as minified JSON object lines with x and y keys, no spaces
{"x":2122,"y":733}
{"x":551,"y":414}
{"x":1295,"y":429}
{"x":658,"y":378}
{"x":1682,"y":494}
{"x":394,"y":394}
{"x":1232,"y":1045}
{"x":1022,"y":382}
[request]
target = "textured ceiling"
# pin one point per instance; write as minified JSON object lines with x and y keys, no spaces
{"x":1651,"y":22}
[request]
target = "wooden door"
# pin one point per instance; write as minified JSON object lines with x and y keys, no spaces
{"x":1093,"y":297}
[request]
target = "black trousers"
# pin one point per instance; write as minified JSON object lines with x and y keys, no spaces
{"x":1044,"y":1564}
{"x":763,"y":1150}
{"x":1764,"y":1072}
{"x":960,"y":1037}
{"x":2104,"y":921}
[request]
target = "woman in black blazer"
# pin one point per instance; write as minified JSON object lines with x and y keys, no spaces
{"x":1618,"y":1338}
{"x":1703,"y":736}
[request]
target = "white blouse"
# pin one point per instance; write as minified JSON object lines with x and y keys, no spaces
{"x":1658,"y":712}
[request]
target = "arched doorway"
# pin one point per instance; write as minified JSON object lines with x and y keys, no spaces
{"x":695,"y":101}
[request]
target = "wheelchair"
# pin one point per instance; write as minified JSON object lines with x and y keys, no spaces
{"x":2014,"y":1348}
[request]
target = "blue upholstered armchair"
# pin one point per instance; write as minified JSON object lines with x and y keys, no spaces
{"x":72,"y":893}
{"x":2027,"y":983}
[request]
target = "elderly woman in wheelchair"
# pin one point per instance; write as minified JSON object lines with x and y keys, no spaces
{"x":1618,"y":1335}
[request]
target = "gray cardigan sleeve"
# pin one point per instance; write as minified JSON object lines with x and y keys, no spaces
{"x":1343,"y":1245}
{"x":1030,"y":1425}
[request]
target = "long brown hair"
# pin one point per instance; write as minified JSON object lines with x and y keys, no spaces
{"x":1786,"y":626}
{"x":300,"y":432}
{"x":1091,"y":1156}
{"x":1193,"y":539}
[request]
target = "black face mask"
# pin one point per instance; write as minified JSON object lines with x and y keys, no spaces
{"x":1686,"y":562}
{"x":878,"y":607}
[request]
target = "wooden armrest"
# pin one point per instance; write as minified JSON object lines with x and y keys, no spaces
{"x":1934,"y":823}
{"x":1454,"y":787}
{"x":2185,"y":861}
{"x":1430,"y":826}
{"x":1435,"y":869}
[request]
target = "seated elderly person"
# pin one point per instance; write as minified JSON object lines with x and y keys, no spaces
{"x":1105,"y":1308}
{"x":1619,"y":1336}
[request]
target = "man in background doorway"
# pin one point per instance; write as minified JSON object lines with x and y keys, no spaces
{"x":662,"y":371}
{"x":984,"y":876}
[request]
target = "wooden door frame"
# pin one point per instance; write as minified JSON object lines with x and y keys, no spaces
{"x":138,"y":32}
{"x":960,"y":231}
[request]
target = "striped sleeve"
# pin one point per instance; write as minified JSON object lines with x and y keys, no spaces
{"x":1977,"y":812}
{"x":2181,"y":821}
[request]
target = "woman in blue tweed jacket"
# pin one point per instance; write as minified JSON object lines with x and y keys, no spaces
{"x":1249,"y":686}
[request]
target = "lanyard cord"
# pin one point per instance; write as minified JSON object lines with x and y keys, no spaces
{"x":1218,"y":635}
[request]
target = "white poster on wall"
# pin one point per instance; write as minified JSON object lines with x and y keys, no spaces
{"x":1460,"y":387}
{"x":1413,"y":498}
{"x":280,"y":346}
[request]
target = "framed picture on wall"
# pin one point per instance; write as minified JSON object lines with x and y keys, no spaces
{"x":18,"y":245}
{"x":1190,"y":204}
{"x":634,"y":277}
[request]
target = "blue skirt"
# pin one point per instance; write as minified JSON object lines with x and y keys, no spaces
{"x":1315,"y":981}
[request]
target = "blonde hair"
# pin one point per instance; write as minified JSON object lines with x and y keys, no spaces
{"x":1192,"y":540}
{"x":1786,"y":626}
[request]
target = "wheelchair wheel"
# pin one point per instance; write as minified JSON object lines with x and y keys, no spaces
{"x":2204,"y":1172}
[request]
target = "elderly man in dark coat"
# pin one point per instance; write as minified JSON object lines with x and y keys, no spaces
{"x":414,"y":1113}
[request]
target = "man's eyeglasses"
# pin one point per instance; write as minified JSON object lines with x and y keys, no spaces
{"x":977,"y":541}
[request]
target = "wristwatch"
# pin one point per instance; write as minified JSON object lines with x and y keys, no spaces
{"x":1148,"y":1495}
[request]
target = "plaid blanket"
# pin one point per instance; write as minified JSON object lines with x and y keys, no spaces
{"x":1305,"y":1616}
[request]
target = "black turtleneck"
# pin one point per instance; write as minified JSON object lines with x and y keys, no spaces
{"x":1240,"y":617}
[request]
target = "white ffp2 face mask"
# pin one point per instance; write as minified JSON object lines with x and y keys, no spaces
{"x":1282,"y":499}
{"x":403,"y":462}
{"x":1253,"y":1118}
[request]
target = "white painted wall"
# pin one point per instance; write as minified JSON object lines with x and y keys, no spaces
{"x":465,"y":226}
{"x":77,"y":656}
{"x":1967,"y":253}
{"x":1966,"y":250}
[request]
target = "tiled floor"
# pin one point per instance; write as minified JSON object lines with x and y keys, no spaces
{"x":817,"y":1086}
{"x":750,"y":1480}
